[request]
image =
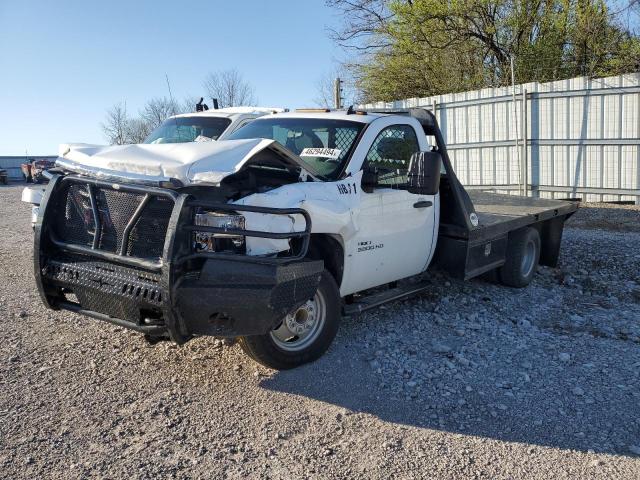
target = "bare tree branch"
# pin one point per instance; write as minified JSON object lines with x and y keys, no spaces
{"x":157,"y":110}
{"x":115,"y":126}
{"x":229,"y":88}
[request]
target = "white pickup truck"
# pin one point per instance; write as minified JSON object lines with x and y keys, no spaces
{"x":271,"y":235}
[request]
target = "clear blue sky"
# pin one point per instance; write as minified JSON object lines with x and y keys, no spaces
{"x":63,"y":63}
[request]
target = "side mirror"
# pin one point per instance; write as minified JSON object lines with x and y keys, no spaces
{"x":423,"y":176}
{"x":369,"y":180}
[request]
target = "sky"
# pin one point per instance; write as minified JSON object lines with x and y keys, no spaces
{"x":64,"y":63}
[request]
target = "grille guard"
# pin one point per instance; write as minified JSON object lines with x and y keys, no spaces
{"x":170,"y":268}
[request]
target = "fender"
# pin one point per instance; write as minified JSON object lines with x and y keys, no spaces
{"x":333,"y":208}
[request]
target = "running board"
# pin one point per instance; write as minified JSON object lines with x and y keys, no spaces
{"x":386,"y":296}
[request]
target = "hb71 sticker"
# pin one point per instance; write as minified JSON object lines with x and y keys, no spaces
{"x":347,"y":188}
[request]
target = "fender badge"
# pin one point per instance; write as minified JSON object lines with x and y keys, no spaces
{"x":474,"y":219}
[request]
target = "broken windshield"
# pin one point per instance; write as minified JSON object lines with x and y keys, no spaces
{"x":322,"y":143}
{"x":188,"y":129}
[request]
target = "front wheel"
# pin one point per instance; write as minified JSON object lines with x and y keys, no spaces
{"x":304,"y":335}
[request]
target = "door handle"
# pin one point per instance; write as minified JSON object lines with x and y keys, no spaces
{"x":423,"y":204}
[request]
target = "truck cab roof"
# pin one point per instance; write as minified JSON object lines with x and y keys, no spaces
{"x":232,"y":112}
{"x":357,"y":116}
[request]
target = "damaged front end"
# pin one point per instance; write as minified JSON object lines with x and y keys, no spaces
{"x":170,"y":262}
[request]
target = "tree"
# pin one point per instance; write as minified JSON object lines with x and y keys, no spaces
{"x":157,"y":110}
{"x":229,"y":88}
{"x":116,"y":125}
{"x":137,"y":130}
{"x":411,"y":48}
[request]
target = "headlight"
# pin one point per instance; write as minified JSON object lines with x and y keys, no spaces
{"x":218,"y":242}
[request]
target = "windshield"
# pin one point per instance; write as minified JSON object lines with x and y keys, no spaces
{"x":324,"y":144}
{"x":188,"y":129}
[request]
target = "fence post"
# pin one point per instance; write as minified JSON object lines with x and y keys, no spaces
{"x":525,"y":150}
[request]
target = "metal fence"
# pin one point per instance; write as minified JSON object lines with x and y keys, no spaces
{"x":570,"y":138}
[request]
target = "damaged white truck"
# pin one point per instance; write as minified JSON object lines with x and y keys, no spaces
{"x":271,"y":235}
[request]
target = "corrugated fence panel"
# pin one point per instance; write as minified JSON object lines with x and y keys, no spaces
{"x":577,"y":137}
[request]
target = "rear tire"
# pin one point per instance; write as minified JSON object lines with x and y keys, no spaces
{"x":319,"y":319}
{"x":523,"y":255}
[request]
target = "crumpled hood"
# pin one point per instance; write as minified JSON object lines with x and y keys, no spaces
{"x":205,"y":162}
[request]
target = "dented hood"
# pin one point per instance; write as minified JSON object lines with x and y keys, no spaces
{"x":206,"y":162}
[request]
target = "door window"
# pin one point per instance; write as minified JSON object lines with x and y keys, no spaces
{"x":390,"y":153}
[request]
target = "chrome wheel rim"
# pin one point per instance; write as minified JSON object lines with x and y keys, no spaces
{"x":302,"y":327}
{"x":528,"y":259}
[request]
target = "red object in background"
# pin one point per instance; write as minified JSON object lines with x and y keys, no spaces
{"x":32,"y":170}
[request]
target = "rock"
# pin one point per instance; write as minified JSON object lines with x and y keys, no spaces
{"x":578,"y":391}
{"x":374,"y":364}
{"x":564,"y":357}
{"x":237,"y":368}
{"x":440,"y":347}
{"x":462,"y":361}
{"x":23,"y":314}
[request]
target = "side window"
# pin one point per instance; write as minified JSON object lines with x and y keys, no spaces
{"x":390,"y":153}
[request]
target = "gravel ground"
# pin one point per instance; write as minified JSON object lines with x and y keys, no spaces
{"x":466,"y":381}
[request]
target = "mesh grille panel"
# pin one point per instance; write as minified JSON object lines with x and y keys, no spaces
{"x":151,"y":228}
{"x":76,"y":224}
{"x":115,"y":210}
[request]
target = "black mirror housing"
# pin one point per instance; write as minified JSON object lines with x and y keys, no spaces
{"x":423,"y":176}
{"x":369,"y":180}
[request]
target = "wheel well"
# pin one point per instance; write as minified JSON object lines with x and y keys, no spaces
{"x":325,"y":247}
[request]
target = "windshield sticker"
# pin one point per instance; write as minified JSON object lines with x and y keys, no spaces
{"x":332,"y":153}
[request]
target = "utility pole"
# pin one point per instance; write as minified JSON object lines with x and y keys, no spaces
{"x":337,"y":93}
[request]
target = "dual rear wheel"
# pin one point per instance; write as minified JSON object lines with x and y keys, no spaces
{"x":523,"y":255}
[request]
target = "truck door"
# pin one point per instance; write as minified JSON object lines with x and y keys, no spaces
{"x":395,"y":227}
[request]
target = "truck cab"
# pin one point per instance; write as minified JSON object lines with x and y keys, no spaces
{"x":275,"y":232}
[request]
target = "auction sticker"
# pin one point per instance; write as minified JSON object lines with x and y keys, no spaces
{"x":332,"y":153}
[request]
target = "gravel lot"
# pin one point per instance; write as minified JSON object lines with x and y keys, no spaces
{"x":466,"y":381}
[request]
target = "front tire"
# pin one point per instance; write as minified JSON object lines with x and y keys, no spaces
{"x":304,"y":335}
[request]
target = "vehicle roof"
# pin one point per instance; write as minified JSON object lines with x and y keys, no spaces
{"x":333,"y":115}
{"x":230,"y":112}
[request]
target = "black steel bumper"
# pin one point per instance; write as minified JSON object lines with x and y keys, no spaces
{"x":181,"y":293}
